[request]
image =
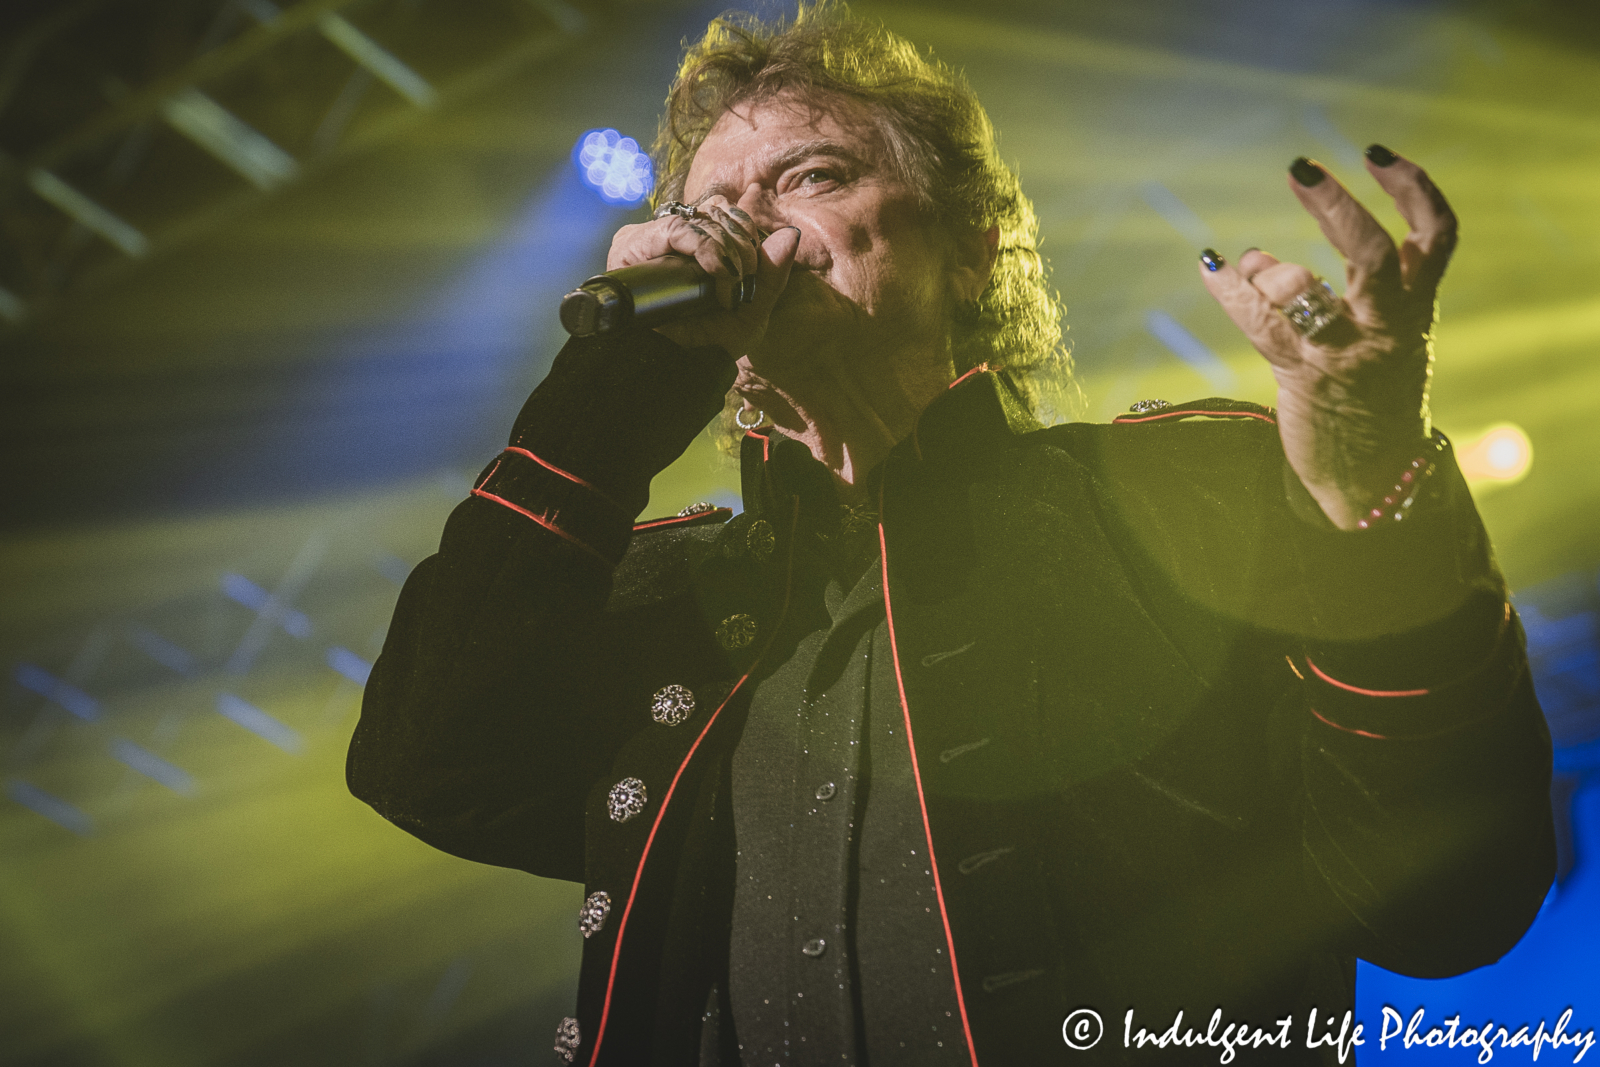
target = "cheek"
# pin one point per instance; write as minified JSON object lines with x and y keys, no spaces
{"x":877,"y":269}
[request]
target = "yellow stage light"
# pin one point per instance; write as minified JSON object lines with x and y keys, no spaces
{"x":1500,"y":455}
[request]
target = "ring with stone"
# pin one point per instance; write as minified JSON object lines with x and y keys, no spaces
{"x":678,"y":208}
{"x":1313,"y":310}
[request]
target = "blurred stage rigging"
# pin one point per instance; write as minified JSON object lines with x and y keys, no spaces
{"x":274,"y":279}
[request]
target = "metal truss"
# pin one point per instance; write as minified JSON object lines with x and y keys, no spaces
{"x":130,"y":126}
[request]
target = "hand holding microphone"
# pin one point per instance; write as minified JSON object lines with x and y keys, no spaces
{"x":697,"y":274}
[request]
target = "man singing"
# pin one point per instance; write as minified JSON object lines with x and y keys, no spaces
{"x":967,"y":721}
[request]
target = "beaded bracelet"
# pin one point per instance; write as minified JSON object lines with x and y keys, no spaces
{"x":1396,"y":503}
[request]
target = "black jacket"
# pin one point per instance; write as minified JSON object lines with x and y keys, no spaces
{"x":1229,"y":747}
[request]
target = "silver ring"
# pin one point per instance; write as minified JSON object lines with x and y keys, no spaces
{"x":678,"y":208}
{"x":1313,"y":310}
{"x":738,"y":418}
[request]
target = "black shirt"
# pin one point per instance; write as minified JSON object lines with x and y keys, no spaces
{"x":837,"y":951}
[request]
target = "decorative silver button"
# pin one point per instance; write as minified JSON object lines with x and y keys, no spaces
{"x":627,"y":799}
{"x":671,"y":705}
{"x":825,"y":791}
{"x":736,"y":632}
{"x":697,"y":509}
{"x":592,"y":916}
{"x":1142,"y":406}
{"x":815,"y":947}
{"x":760,"y":540}
{"x":568,"y":1039}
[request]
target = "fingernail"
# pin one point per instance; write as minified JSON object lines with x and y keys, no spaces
{"x":1306,"y":172}
{"x":1380,"y":156}
{"x":1212,"y":259}
{"x":1247,"y":251}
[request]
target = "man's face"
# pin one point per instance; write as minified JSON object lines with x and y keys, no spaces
{"x":869,"y":279}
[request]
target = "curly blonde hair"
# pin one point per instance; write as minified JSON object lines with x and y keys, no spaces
{"x":942,"y":142}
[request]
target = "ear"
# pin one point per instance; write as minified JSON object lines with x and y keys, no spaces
{"x":972,"y":262}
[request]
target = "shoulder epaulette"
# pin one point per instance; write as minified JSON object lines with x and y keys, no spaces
{"x":1216,"y":407}
{"x":694,"y":515}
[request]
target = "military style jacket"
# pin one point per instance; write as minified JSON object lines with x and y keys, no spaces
{"x":1214,"y":747}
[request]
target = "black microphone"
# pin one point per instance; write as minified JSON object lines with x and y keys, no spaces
{"x":645,"y":294}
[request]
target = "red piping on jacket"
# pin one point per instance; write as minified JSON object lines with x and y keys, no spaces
{"x":766,"y":444}
{"x":916,"y":775}
{"x":568,"y":475}
{"x":661,"y":811}
{"x":699,"y":516}
{"x":1186,"y":411}
{"x":1348,"y":729}
{"x":1347,"y":687}
{"x":542,"y":521}
{"x":982,"y":368}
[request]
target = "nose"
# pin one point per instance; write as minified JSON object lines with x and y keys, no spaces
{"x":760,"y":204}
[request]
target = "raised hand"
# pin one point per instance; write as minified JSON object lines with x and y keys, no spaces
{"x":727,"y":244}
{"x":1352,"y":394}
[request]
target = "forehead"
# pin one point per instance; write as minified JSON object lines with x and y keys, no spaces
{"x":754,"y":140}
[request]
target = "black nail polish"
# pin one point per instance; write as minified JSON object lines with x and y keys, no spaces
{"x":1306,"y":172}
{"x":1380,"y":156}
{"x":1212,"y":259}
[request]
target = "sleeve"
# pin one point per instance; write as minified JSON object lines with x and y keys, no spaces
{"x":493,"y":705}
{"x":1424,"y":756}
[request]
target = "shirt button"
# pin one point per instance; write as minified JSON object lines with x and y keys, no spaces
{"x":760,"y":540}
{"x":627,"y":799}
{"x":815,"y":947}
{"x":825,"y":791}
{"x":736,"y":632}
{"x":671,"y":705}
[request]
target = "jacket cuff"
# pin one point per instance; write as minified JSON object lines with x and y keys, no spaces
{"x":616,"y":410}
{"x":570,"y":507}
{"x":1419,"y":710}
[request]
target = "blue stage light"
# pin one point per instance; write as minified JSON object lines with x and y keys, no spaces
{"x":614,"y":166}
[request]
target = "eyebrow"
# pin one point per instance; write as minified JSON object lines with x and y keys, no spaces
{"x":784,"y":160}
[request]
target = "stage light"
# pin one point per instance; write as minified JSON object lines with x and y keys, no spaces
{"x":614,"y":166}
{"x":1499,"y":455}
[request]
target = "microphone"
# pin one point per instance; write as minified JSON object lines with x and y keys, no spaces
{"x":645,"y":294}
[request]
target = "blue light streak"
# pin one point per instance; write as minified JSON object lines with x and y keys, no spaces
{"x":40,"y":681}
{"x":152,"y":766}
{"x":164,"y":652}
{"x":259,"y":722}
{"x":53,"y":808}
{"x":242,"y":590}
{"x":349,"y":664}
{"x":1189,"y":348}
